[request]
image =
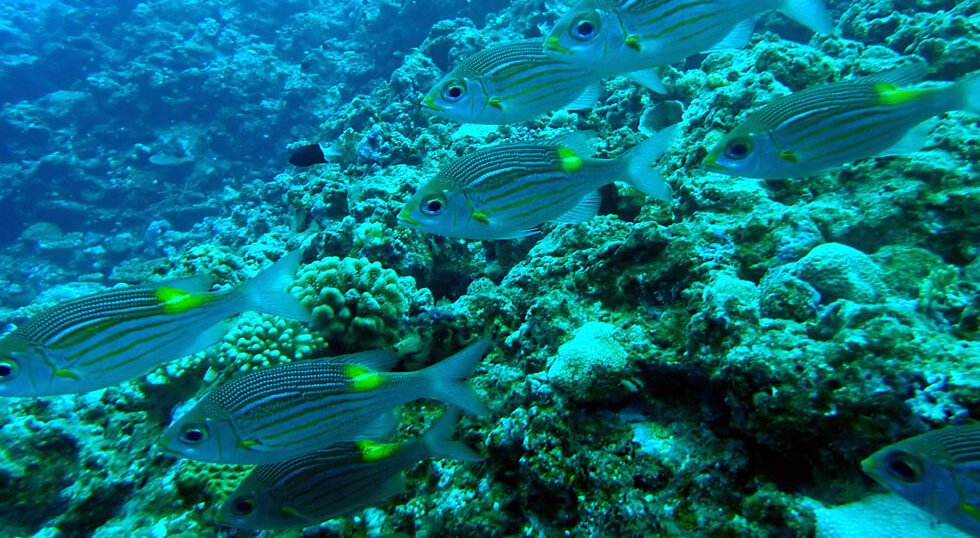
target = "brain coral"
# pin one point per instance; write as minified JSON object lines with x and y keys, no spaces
{"x":355,"y":303}
{"x":841,"y":272}
{"x":591,"y":364}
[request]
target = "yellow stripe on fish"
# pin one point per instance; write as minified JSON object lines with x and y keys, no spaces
{"x":822,"y":128}
{"x":510,"y":83}
{"x":308,"y":489}
{"x":293,"y":409}
{"x":506,"y":191}
{"x":106,"y":338}
{"x":614,"y":37}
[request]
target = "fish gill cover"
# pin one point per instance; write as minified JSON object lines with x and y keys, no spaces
{"x":703,"y":366}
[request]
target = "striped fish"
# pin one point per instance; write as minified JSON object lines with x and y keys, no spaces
{"x":331,"y":482}
{"x":511,"y":83}
{"x":278,"y":413}
{"x":822,"y":128}
{"x":505,"y":191}
{"x":619,"y":36}
{"x":938,"y":471}
{"x":106,"y":338}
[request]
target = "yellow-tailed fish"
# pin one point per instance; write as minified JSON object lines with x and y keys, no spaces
{"x":505,"y":191}
{"x":824,"y":127}
{"x":331,"y":482}
{"x":511,"y":83}
{"x":938,"y":471}
{"x":620,"y":36}
{"x":106,"y":338}
{"x":271,"y":415}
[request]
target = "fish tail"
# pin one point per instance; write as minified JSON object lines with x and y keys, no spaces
{"x":437,"y":442}
{"x":640,"y":162}
{"x":970,"y":86}
{"x":810,"y":13}
{"x":446,"y":383}
{"x":267,"y":292}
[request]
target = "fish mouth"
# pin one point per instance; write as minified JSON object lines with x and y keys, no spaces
{"x":430,"y":102}
{"x":553,"y":44}
{"x":868,"y":467}
{"x":711,"y":161}
{"x":405,"y":219}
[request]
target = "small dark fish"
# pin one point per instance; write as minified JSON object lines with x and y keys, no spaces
{"x":311,"y":154}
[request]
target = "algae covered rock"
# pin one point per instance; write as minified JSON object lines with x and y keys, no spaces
{"x":841,"y":272}
{"x":786,"y":296}
{"x":590,"y":366}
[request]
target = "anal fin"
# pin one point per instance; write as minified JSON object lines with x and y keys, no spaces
{"x":586,"y":209}
{"x":913,"y":140}
{"x":588,"y":98}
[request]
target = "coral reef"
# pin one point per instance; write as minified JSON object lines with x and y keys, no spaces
{"x":695,"y":369}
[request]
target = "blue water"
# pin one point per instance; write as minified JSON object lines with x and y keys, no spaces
{"x":149,"y":140}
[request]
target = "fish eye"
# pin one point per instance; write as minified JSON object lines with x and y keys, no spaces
{"x":433,"y":205}
{"x":585,"y":27}
{"x":194,"y":433}
{"x":8,"y":369}
{"x":243,"y":506}
{"x":454,"y":91}
{"x":904,"y":466}
{"x":738,"y":149}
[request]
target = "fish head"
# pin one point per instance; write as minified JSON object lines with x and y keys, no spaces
{"x":588,"y":34}
{"x":437,"y":210}
{"x":743,"y":153}
{"x":910,"y":470}
{"x":200,"y":437}
{"x":251,"y":506}
{"x":23,"y":367}
{"x":457,"y":97}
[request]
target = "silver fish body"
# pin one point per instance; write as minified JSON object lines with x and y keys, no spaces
{"x":619,"y":36}
{"x":505,"y":191}
{"x":938,"y":471}
{"x":106,"y":338}
{"x":511,"y":83}
{"x":278,"y":413}
{"x":824,"y":127}
{"x":331,"y":482}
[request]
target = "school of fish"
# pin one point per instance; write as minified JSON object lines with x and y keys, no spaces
{"x":318,"y":430}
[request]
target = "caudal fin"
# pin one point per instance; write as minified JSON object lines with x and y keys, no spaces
{"x":267,"y":292}
{"x":641,"y":160}
{"x":437,"y":442}
{"x":810,"y":13}
{"x":971,"y":93}
{"x":446,"y":379}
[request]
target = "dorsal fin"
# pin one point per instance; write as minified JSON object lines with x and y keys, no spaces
{"x":378,"y":360}
{"x":190,"y":284}
{"x":906,"y":75}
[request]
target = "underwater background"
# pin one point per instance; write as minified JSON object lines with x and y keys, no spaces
{"x":718,"y":366}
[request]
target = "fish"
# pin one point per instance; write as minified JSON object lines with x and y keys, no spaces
{"x":506,"y":191}
{"x":273,"y":414}
{"x":330,"y":482}
{"x":937,"y":471}
{"x":103,"y":339}
{"x":824,"y":127}
{"x":620,"y":36}
{"x":310,"y":154}
{"x":511,"y":83}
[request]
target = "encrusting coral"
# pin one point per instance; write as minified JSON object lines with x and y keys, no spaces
{"x":841,"y":272}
